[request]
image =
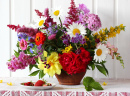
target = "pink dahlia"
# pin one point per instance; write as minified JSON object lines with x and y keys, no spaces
{"x":23,"y":44}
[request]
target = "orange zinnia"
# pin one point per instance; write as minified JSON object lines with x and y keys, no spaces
{"x":40,"y":38}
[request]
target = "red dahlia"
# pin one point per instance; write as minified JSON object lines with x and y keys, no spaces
{"x":40,"y":38}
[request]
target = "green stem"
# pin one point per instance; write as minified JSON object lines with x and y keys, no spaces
{"x":60,"y":22}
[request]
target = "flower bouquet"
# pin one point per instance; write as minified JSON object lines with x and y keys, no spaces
{"x":65,"y":47}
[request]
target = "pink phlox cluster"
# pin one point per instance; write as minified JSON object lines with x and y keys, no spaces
{"x":29,"y":31}
{"x":13,"y":27}
{"x":39,"y":13}
{"x":83,"y":9}
{"x":21,"y":62}
{"x":93,"y":21}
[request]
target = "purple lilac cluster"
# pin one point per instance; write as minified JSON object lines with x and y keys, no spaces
{"x":52,"y":29}
{"x":21,"y":62}
{"x":93,"y":21}
{"x":22,"y":36}
{"x":29,"y":31}
{"x":66,"y":39}
{"x":78,"y":38}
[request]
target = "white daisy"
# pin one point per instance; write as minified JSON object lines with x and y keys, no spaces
{"x":56,"y":13}
{"x":76,"y":28}
{"x":40,"y":22}
{"x":100,"y":53}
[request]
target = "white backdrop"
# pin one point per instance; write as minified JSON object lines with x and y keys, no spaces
{"x":111,"y":13}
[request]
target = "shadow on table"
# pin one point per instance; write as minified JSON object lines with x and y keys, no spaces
{"x":58,"y":88}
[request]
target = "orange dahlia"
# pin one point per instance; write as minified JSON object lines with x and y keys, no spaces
{"x":40,"y":38}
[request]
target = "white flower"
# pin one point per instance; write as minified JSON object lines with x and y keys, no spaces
{"x":76,"y":28}
{"x":56,"y":13}
{"x":100,"y":53}
{"x":40,"y":22}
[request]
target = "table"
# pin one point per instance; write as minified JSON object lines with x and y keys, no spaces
{"x":117,"y":87}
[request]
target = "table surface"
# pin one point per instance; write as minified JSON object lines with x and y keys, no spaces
{"x":113,"y":86}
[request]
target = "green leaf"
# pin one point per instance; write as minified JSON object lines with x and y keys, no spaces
{"x":89,"y":88}
{"x":92,"y":65}
{"x":58,"y":34}
{"x":9,"y":60}
{"x":105,"y":69}
{"x":30,"y":67}
{"x":36,"y":59}
{"x":17,"y":44}
{"x":34,"y":73}
{"x":96,"y":85}
{"x":36,"y":66}
{"x":90,"y":84}
{"x":16,"y":54}
{"x":101,"y":69}
{"x":87,"y":81}
{"x":59,"y":42}
{"x":41,"y":74}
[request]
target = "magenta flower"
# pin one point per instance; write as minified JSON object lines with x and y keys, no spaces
{"x":46,"y":12}
{"x":21,"y":62}
{"x":51,"y":37}
{"x":83,"y":8}
{"x":23,"y":44}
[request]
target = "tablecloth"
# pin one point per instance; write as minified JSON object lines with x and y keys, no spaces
{"x":114,"y":87}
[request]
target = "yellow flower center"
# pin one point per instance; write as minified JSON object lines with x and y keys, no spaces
{"x":50,"y":63}
{"x":41,"y":22}
{"x":76,"y":31}
{"x":56,"y":13}
{"x":37,"y":39}
{"x":99,"y":52}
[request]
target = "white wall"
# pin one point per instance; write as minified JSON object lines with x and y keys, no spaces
{"x":111,"y":13}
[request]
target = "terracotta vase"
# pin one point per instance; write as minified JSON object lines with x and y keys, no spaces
{"x":65,"y":79}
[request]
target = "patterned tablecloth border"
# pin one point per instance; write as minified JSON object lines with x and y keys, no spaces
{"x":61,"y":93}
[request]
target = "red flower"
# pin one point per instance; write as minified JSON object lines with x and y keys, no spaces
{"x":85,"y":55}
{"x":75,"y":63}
{"x":40,"y":38}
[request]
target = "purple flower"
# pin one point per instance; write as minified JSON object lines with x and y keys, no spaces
{"x":83,"y":8}
{"x":66,"y":39}
{"x":31,"y":45}
{"x":22,"y":36}
{"x":39,"y":49}
{"x":78,"y":38}
{"x":52,"y":29}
